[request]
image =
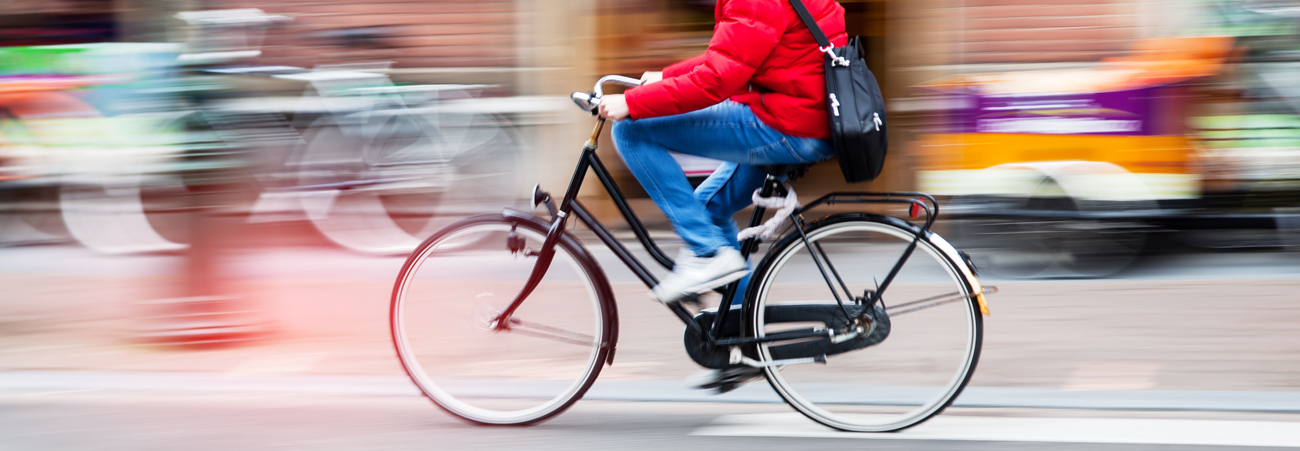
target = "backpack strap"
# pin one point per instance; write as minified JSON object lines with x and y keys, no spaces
{"x":811,"y":24}
{"x":818,"y":35}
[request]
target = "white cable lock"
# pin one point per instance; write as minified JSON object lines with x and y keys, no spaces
{"x":784,"y":205}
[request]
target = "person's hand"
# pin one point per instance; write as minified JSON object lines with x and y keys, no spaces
{"x":651,"y":77}
{"x":614,"y":106}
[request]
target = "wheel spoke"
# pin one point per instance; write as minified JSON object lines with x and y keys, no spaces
{"x":532,"y":329}
{"x":830,"y":265}
{"x":922,"y":304}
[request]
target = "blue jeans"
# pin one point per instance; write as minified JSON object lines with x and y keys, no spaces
{"x":728,"y":131}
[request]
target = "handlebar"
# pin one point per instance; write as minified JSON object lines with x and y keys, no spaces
{"x":590,"y":101}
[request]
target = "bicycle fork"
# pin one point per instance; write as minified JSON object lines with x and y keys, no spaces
{"x":547,"y":253}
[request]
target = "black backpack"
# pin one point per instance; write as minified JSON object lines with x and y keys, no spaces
{"x":854,"y":103}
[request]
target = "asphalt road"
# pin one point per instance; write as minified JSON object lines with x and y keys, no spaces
{"x":1168,"y":355}
{"x":119,"y":421}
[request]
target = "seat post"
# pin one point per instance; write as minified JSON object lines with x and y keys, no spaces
{"x":772,"y":186}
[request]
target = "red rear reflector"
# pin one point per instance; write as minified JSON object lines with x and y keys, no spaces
{"x":914,"y":210}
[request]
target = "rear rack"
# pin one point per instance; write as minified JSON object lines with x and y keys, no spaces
{"x":917,"y":202}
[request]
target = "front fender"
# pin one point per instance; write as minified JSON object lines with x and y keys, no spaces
{"x":598,"y":278}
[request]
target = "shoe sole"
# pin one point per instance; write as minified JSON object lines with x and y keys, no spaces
{"x":706,"y":286}
{"x":737,"y":378}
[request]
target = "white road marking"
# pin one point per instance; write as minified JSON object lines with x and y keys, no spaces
{"x":613,"y":389}
{"x":1003,"y":429}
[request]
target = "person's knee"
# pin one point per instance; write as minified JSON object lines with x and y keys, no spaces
{"x":625,"y":132}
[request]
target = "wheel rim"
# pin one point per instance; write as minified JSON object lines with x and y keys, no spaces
{"x":514,"y":377}
{"x":911,"y":375}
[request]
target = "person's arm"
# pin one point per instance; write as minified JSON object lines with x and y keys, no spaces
{"x":748,"y":32}
{"x":682,"y":67}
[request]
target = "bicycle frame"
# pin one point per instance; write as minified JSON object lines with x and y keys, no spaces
{"x":569,"y":205}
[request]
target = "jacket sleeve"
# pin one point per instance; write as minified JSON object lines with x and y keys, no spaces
{"x":747,"y":32}
{"x":683,"y":67}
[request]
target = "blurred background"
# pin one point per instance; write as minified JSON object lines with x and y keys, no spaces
{"x":229,"y":187}
{"x":1091,"y":129}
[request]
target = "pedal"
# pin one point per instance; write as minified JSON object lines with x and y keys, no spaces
{"x":729,"y":379}
{"x":726,"y":388}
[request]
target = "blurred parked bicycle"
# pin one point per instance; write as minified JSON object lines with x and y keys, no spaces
{"x":375,"y":166}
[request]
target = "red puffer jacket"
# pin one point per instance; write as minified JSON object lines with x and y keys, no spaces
{"x":761,"y":55}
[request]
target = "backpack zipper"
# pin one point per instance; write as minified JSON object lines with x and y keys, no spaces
{"x":875,"y":118}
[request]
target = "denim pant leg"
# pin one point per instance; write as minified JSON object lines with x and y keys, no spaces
{"x":665,"y":182}
{"x":728,"y":190}
{"x":727,"y":131}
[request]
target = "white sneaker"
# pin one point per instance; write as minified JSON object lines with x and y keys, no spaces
{"x":693,"y":274}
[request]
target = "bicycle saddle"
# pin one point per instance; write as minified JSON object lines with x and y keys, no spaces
{"x":789,"y":171}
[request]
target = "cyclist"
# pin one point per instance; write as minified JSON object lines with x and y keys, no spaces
{"x":757,"y":96}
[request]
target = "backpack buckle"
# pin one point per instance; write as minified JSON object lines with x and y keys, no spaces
{"x":836,"y":60}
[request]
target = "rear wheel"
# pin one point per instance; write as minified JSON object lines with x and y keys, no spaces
{"x":453,"y":287}
{"x":916,"y":349}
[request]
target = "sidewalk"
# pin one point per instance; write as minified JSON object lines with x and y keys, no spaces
{"x":1058,"y":337}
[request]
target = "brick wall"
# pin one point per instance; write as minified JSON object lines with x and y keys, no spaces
{"x":423,"y":33}
{"x":1039,"y":31}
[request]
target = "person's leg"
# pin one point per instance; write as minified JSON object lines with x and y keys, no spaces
{"x":727,"y":131}
{"x":728,"y":190}
{"x":666,"y":184}
{"x":708,"y":259}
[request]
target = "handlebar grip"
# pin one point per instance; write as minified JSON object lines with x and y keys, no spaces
{"x":619,"y":79}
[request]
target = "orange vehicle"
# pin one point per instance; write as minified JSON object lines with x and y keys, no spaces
{"x":1060,"y":172}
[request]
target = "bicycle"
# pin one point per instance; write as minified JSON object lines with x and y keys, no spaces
{"x":474,"y":344}
{"x":375,"y":166}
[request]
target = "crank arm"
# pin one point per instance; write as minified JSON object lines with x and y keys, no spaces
{"x":738,"y":358}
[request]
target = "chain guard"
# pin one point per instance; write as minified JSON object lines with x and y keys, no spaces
{"x":828,"y":314}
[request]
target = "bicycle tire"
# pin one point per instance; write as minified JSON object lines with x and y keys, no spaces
{"x":882,"y":380}
{"x":501,"y":378}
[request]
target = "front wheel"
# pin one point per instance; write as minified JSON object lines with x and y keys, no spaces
{"x":916,"y":349}
{"x":455,"y":285}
